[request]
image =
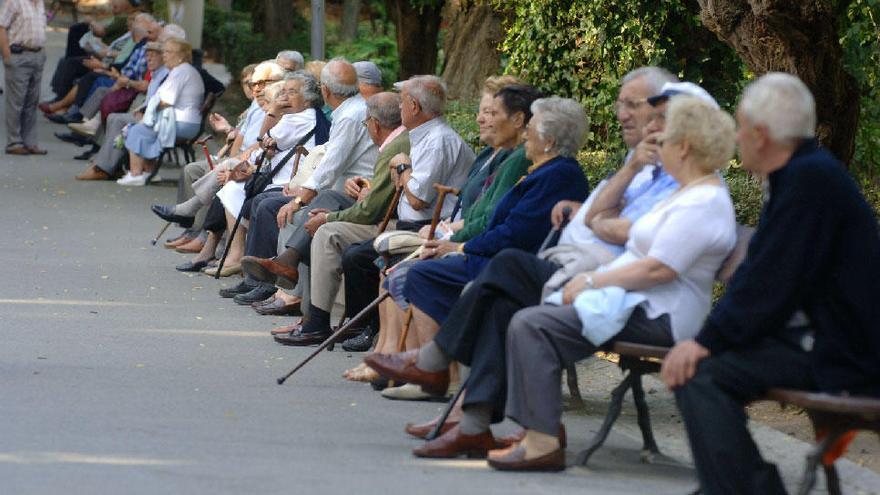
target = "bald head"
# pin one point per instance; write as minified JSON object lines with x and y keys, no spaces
{"x":340,"y":78}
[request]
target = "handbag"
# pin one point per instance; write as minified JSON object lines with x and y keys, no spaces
{"x":259,"y":181}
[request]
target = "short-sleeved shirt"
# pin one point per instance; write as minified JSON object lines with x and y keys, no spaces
{"x":692,"y":232}
{"x":350,"y":150}
{"x":25,"y":22}
{"x":439,"y":156}
{"x":185,"y":91}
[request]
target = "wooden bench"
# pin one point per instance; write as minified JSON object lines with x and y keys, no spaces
{"x":833,"y":415}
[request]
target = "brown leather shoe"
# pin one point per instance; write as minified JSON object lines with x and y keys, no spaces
{"x":177,"y":242}
{"x":300,"y":339}
{"x":422,"y":430}
{"x":514,"y":459}
{"x":93,"y":173}
{"x":194,"y":246}
{"x":454,"y":443}
{"x":269,"y":270}
{"x":401,"y":366}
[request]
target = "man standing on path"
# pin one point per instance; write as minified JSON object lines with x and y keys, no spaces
{"x":22,"y":37}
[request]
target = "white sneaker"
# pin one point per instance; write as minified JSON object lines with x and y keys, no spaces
{"x":156,"y":179}
{"x":87,"y":128}
{"x":133,"y":180}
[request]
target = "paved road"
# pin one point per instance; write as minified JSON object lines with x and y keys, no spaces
{"x":120,"y":375}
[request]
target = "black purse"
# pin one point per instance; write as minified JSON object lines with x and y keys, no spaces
{"x":260,"y":180}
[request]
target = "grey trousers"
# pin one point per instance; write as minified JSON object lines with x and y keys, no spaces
{"x":541,"y":342}
{"x":191,"y":173}
{"x":300,"y":239}
{"x":108,"y":155}
{"x":93,"y":103}
{"x":24,"y":74}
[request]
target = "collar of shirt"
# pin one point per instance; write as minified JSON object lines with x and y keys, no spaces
{"x":346,"y":107}
{"x":420,"y":133}
{"x":394,"y":134}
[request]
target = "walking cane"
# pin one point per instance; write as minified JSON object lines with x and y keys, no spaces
{"x":331,"y":340}
{"x":551,"y":240}
{"x":435,"y":220}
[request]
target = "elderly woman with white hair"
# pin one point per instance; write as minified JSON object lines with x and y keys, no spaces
{"x":657,"y":292}
{"x":173,"y":113}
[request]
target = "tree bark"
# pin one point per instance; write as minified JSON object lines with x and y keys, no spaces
{"x":473,"y":32}
{"x":351,"y":10}
{"x":799,"y":37}
{"x":272,"y":17}
{"x":417,"y":32}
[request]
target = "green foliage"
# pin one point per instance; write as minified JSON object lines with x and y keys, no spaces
{"x":860,"y":38}
{"x":229,"y":38}
{"x":379,"y":48}
{"x":582,"y":49}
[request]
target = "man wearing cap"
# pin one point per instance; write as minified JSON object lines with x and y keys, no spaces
{"x":22,"y":37}
{"x":369,"y":78}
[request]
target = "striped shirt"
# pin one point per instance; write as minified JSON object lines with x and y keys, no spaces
{"x":25,"y":22}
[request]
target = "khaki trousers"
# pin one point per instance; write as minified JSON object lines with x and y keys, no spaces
{"x":326,"y":258}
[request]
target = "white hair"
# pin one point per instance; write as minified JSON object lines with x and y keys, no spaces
{"x":783,"y":104}
{"x":429,"y":91}
{"x":172,"y":31}
{"x":292,"y":56}
{"x":564,"y":120}
{"x":267,"y":70}
{"x":656,"y":77}
{"x":333,"y":83}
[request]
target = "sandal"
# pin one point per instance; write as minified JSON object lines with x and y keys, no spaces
{"x":17,"y":149}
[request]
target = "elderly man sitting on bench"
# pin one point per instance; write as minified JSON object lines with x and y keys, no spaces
{"x":816,"y":248}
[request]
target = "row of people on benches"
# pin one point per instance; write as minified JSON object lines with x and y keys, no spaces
{"x":636,"y":262}
{"x":97,"y":94}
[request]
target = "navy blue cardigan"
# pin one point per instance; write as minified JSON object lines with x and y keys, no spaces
{"x":816,"y":248}
{"x":522,"y":217}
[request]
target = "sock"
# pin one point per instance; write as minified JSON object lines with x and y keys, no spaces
{"x":475,"y":419}
{"x":319,"y":320}
{"x":188,"y":208}
{"x":290,"y":257}
{"x":538,"y":444}
{"x":432,"y":358}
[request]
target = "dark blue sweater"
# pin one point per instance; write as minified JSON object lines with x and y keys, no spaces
{"x":522,"y":217}
{"x":816,"y":248}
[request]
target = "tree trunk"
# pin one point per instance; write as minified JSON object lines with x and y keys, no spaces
{"x":417,"y":30}
{"x":272,"y":17}
{"x":799,"y":37}
{"x":473,"y":32}
{"x":351,"y":10}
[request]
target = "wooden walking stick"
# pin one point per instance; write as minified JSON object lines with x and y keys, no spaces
{"x":331,"y":340}
{"x":550,"y":241}
{"x":442,"y":191}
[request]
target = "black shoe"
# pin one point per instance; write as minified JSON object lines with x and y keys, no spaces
{"x":85,"y":155}
{"x":361,"y":343}
{"x":57,"y":118}
{"x":241,"y":288}
{"x":259,"y":293}
{"x":191,"y":266}
{"x":69,"y":137}
{"x":166,"y":213}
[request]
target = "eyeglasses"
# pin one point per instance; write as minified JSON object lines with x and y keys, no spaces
{"x":631,"y":105}
{"x":367,"y":120}
{"x":262,"y":83}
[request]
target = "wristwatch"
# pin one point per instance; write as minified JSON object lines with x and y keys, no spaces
{"x":401,"y":168}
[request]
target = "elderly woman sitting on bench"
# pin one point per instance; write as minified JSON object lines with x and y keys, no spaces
{"x":657,"y":292}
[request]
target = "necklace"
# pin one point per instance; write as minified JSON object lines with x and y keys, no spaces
{"x":685,"y":187}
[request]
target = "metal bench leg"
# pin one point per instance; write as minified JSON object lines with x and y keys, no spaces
{"x":571,"y":377}
{"x":644,"y":418}
{"x":814,"y":458}
{"x":832,"y":480}
{"x":613,"y":412}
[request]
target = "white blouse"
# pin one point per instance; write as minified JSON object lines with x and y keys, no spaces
{"x":692,"y":232}
{"x":184,"y":90}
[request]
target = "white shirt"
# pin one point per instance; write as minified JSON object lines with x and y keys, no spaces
{"x":439,"y":156}
{"x":350,"y":151}
{"x":253,"y":122}
{"x":691,"y":232}
{"x":185,"y":91}
{"x":287,"y":132}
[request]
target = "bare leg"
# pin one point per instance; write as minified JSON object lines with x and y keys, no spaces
{"x":423,"y":328}
{"x":136,"y":164}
